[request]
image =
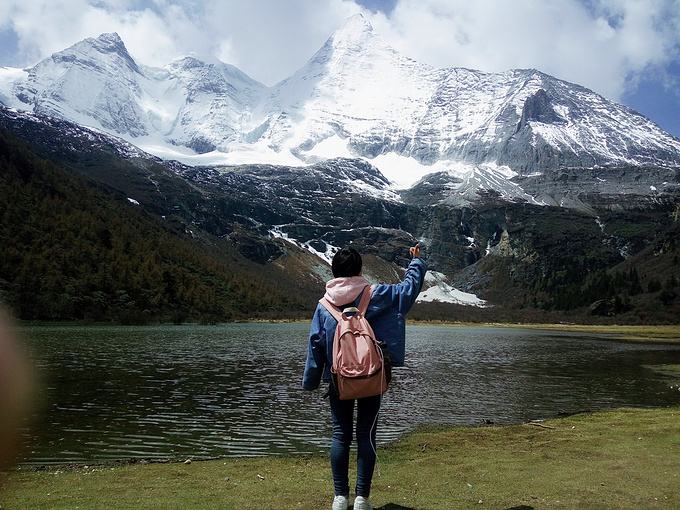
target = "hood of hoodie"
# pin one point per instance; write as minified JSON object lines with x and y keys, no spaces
{"x":342,"y":291}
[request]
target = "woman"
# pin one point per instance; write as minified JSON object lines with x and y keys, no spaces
{"x":386,"y":313}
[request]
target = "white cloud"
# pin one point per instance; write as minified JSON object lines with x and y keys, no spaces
{"x":267,"y":39}
{"x":603,"y":44}
{"x":272,"y":38}
{"x":153,"y":36}
{"x":225,"y":51}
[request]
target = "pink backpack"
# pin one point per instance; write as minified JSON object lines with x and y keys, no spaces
{"x":359,"y":367}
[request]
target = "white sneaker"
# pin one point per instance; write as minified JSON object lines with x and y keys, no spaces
{"x":340,"y":503}
{"x":361,"y":503}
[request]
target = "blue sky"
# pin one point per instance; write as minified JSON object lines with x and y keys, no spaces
{"x":386,"y":6}
{"x":9,"y":52}
{"x":627,"y":50}
{"x":657,"y":99}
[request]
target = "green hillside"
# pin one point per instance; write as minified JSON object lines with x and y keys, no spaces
{"x":75,"y":251}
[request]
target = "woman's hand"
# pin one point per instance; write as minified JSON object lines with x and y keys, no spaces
{"x":415,"y":250}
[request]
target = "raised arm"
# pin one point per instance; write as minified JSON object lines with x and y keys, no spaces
{"x":406,"y":292}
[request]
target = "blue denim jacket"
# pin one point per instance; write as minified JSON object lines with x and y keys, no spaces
{"x":386,"y":314}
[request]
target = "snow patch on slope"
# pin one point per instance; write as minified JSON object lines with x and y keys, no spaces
{"x":439,"y":290}
{"x":326,"y":256}
{"x":9,"y":76}
{"x":331,"y":147}
{"x":404,"y":171}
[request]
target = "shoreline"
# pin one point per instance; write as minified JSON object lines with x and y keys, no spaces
{"x":670,"y":371}
{"x":134,"y":461}
{"x":653,"y":334}
{"x":664,"y":334}
{"x":619,"y":458}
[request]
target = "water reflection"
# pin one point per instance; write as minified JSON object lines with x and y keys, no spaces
{"x":118,"y":392}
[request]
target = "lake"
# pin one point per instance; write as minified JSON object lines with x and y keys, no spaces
{"x":117,"y":392}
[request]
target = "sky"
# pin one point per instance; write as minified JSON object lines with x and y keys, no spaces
{"x":626,"y":50}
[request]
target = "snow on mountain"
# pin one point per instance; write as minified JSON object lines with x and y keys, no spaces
{"x":217,"y":100}
{"x":10,"y":77}
{"x":94,"y":82}
{"x":356,"y":97}
{"x":437,"y":289}
{"x":373,"y":101}
{"x":353,"y":87}
{"x":190,"y":103}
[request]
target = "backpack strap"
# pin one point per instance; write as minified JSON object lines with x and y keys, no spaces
{"x":332,"y":309}
{"x":365,"y":299}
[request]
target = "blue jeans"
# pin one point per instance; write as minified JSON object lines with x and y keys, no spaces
{"x":342,"y":417}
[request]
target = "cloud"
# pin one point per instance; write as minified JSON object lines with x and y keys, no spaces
{"x":600,"y":44}
{"x":154,"y":32}
{"x":267,"y":39}
{"x":270,"y":39}
{"x":606,"y":45}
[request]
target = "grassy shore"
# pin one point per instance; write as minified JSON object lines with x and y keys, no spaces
{"x":667,"y":334}
{"x":642,"y":334}
{"x":617,"y":459}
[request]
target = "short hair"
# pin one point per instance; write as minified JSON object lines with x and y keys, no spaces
{"x":346,"y":262}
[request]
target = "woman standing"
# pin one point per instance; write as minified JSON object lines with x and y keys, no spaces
{"x":386,"y":313}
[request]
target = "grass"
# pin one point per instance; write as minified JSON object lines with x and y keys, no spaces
{"x":666,"y":334}
{"x":627,"y":333}
{"x":627,"y":458}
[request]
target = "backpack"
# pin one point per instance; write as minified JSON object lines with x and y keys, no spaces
{"x":361,"y":365}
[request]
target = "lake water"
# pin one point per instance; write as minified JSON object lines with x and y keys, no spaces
{"x":191,"y":391}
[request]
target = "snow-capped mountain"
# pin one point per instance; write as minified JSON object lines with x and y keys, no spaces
{"x":373,"y":101}
{"x":93,"y":82}
{"x":189,"y":103}
{"x":356,"y":97}
{"x":212,"y":103}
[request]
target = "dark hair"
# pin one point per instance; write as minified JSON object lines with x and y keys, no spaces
{"x":347,"y":262}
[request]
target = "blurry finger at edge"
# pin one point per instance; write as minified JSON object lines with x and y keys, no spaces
{"x":16,"y":387}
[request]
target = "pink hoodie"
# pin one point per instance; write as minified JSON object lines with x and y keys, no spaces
{"x":344,"y":290}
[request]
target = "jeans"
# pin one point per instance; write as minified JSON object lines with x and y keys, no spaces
{"x":342,"y":417}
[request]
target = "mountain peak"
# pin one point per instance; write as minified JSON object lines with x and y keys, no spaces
{"x":354,"y":36}
{"x":108,"y":43}
{"x":187,"y":62}
{"x":110,"y":38}
{"x":357,"y":23}
{"x":356,"y":29}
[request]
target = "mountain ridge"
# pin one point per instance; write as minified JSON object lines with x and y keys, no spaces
{"x":515,"y":255}
{"x":355,"y":97}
